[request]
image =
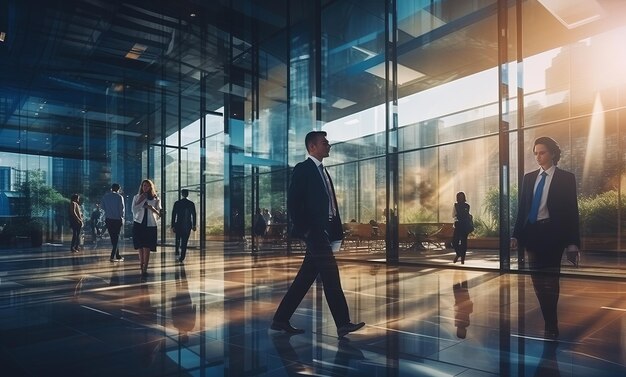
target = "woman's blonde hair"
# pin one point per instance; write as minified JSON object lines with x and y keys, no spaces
{"x":153,"y":191}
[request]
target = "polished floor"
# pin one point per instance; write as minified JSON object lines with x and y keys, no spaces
{"x":64,"y":314}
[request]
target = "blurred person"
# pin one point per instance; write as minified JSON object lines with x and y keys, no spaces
{"x":114,"y":210}
{"x":463,"y":226}
{"x":76,"y":222}
{"x":95,"y":223}
{"x":547,"y":224}
{"x":183,"y":222}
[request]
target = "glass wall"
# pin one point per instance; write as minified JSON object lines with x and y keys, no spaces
{"x":222,"y":108}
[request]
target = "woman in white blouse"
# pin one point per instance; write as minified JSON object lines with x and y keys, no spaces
{"x":146,"y":213}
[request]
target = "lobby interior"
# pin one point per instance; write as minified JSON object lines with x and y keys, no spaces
{"x":420,"y":99}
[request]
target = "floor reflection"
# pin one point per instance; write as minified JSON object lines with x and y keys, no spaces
{"x":210,"y":317}
{"x":463,"y":306}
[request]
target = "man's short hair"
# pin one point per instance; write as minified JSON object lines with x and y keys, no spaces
{"x":312,"y":136}
{"x":552,"y":146}
{"x":184,"y":192}
{"x":115,"y":187}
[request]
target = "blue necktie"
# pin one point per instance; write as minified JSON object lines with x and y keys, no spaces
{"x":534,"y":207}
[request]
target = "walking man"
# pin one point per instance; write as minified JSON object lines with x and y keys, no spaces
{"x":313,"y":207}
{"x":113,"y":206}
{"x":183,"y":221}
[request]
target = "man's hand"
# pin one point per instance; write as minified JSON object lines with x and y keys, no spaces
{"x":513,"y":243}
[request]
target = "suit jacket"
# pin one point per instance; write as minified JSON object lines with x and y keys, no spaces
{"x":184,"y":215}
{"x":562,"y":205}
{"x":307,"y":202}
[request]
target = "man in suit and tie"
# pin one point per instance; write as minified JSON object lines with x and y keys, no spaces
{"x":315,"y":218}
{"x":546,"y":225}
{"x":183,"y":221}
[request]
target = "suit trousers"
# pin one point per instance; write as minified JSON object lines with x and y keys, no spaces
{"x":544,"y":258}
{"x":182,"y":239}
{"x":318,"y":260}
{"x":114,"y":226}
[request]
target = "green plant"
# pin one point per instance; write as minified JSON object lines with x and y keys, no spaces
{"x":418,"y":215}
{"x":489,"y":225}
{"x":39,"y":196}
{"x":599,"y":213}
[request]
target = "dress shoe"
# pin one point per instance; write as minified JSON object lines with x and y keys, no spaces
{"x":551,"y":332}
{"x":179,"y":260}
{"x":119,"y":259}
{"x":456,"y":259}
{"x":573,"y":257}
{"x":348,"y":328}
{"x":286,"y":327}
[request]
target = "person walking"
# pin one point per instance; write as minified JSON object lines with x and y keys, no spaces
{"x":463,"y":226}
{"x":114,"y":210}
{"x":95,"y":223}
{"x":146,"y":210}
{"x":313,"y":208}
{"x":183,"y":221}
{"x":547,"y":224}
{"x":76,"y":222}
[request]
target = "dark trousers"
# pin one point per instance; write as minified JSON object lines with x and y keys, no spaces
{"x":459,"y":242}
{"x":544,"y":259}
{"x":114,"y":226}
{"x":319,"y":260}
{"x":182,"y":239}
{"x":75,"y":244}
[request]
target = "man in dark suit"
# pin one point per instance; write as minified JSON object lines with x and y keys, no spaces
{"x":546,"y":225}
{"x":183,"y":221}
{"x":315,"y":219}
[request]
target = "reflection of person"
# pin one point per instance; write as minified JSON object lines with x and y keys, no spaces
{"x":146,"y":213}
{"x":237,"y":225}
{"x":547,"y":223}
{"x":183,"y":221}
{"x":183,"y":309}
{"x":548,"y":365}
{"x":295,"y":366}
{"x":147,"y":342}
{"x":313,"y":207}
{"x":95,"y":222}
{"x":76,"y":222}
{"x":461,"y":214}
{"x":113,"y":205}
{"x":463,"y":306}
{"x":260,"y":225}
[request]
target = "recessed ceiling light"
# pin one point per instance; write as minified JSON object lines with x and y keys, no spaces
{"x":342,"y":103}
{"x":136,"y":51}
{"x":405,"y":74}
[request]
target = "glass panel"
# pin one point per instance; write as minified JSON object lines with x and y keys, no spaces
{"x":574,"y":89}
{"x":447,"y":72}
{"x":430,"y":179}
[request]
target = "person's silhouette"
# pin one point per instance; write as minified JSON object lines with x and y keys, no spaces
{"x":183,"y":309}
{"x":463,"y":306}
